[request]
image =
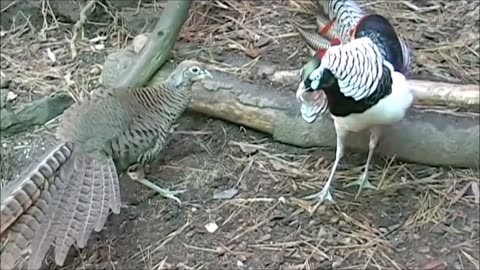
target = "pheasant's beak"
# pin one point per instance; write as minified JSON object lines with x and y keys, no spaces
{"x":300,"y":91}
{"x":208,"y":74}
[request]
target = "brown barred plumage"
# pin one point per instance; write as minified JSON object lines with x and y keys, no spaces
{"x":106,"y":135}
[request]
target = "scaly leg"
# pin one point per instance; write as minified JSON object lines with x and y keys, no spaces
{"x":324,"y":194}
{"x":362,"y":182}
{"x":136,"y":173}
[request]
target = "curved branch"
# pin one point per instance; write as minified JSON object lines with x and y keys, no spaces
{"x":157,"y":50}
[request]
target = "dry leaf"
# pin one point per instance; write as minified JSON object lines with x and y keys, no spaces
{"x":460,"y":193}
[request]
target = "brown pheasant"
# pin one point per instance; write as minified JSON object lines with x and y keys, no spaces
{"x":116,"y":131}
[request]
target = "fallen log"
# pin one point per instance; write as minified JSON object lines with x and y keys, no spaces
{"x":465,"y":96}
{"x":427,"y":137}
{"x":27,"y":115}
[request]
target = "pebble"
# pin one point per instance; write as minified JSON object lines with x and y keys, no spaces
{"x":211,"y":227}
{"x":334,"y":219}
{"x":240,"y":264}
{"x":424,"y":249}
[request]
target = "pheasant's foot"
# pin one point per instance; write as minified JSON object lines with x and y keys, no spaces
{"x":170,"y":194}
{"x":362,"y":182}
{"x":137,"y":174}
{"x":323,"y":196}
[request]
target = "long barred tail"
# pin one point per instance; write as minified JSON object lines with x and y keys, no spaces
{"x":345,"y":15}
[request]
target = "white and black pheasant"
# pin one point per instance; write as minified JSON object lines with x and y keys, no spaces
{"x":344,"y":18}
{"x":365,"y":87}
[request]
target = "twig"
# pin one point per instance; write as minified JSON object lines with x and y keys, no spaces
{"x":8,"y":6}
{"x":79,"y":24}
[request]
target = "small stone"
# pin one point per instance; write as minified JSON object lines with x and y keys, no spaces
{"x":423,"y":249}
{"x":211,"y":227}
{"x":11,"y":96}
{"x":190,"y":234}
{"x":225,"y":194}
{"x":334,"y":219}
{"x":264,"y":238}
{"x":220,"y":250}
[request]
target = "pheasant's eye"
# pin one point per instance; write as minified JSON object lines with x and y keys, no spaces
{"x":195,"y":69}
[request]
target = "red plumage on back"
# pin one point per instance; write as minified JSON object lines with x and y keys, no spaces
{"x":324,"y":31}
{"x":335,"y":42}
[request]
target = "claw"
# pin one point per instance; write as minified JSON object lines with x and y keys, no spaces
{"x":323,"y":196}
{"x":362,"y":182}
{"x":170,"y":194}
{"x":137,"y":174}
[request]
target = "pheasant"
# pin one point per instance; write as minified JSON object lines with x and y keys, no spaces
{"x":344,"y":17}
{"x":112,"y":132}
{"x":364,"y":86}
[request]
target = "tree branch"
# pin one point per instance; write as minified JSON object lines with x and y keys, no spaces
{"x":157,"y":49}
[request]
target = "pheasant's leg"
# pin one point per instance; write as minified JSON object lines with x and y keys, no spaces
{"x":324,"y":194}
{"x":137,"y":174}
{"x":362,"y":182}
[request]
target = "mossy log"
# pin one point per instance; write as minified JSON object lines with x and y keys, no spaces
{"x":427,"y":137}
{"x":27,"y":115}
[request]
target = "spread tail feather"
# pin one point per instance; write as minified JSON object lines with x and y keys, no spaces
{"x":81,"y":204}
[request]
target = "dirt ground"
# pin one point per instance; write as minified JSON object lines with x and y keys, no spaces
{"x":421,"y":218}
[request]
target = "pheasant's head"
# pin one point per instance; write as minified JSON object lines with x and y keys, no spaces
{"x":311,"y":74}
{"x":194,"y":71}
{"x":189,"y":71}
